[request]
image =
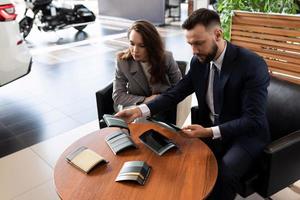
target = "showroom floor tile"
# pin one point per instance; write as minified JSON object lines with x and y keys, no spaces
{"x":28,"y":174}
{"x":22,"y":171}
{"x":51,"y":149}
{"x":45,"y":191}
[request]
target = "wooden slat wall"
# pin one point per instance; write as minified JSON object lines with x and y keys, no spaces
{"x":275,"y":37}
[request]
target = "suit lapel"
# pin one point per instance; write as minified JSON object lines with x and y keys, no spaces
{"x":139,"y":77}
{"x":227,"y":66}
{"x":204,"y":79}
{"x":201,"y":81}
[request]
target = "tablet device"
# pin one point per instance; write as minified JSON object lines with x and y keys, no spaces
{"x":157,"y":142}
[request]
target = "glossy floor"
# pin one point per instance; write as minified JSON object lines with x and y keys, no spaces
{"x":68,"y":68}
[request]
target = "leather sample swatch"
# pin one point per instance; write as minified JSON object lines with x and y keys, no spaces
{"x":157,"y":142}
{"x":84,"y":159}
{"x":112,"y":121}
{"x":119,"y":141}
{"x":134,"y":171}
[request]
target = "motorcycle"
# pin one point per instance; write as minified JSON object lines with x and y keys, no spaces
{"x":49,"y":17}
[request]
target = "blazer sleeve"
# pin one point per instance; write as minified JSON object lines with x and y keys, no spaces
{"x":173,"y":96}
{"x":173,"y":72}
{"x":120,"y":93}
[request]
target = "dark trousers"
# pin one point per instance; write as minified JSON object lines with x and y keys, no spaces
{"x":233,"y":163}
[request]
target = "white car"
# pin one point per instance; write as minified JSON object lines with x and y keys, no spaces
{"x":15,"y":59}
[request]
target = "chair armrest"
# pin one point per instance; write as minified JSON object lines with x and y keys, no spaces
{"x":281,"y":164}
{"x":284,"y":143}
{"x":104,"y":101}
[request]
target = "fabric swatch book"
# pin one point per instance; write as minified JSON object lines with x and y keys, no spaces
{"x":119,"y":141}
{"x":84,"y":159}
{"x":137,"y":171}
{"x":112,"y":121}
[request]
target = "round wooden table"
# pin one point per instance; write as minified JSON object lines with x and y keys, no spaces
{"x":188,"y":172}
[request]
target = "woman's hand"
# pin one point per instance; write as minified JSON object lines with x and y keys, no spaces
{"x":196,"y":130}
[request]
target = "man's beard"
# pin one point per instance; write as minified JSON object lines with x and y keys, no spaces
{"x":210,"y":56}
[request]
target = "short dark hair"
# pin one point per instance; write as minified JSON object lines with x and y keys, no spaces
{"x":201,"y":16}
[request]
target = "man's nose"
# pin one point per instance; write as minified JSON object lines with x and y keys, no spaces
{"x":195,"y":50}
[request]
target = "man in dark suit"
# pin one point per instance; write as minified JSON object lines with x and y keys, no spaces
{"x":230,"y":84}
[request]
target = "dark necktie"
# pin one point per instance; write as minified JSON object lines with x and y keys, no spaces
{"x":216,"y":94}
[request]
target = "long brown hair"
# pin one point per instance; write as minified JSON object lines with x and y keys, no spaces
{"x":154,"y":47}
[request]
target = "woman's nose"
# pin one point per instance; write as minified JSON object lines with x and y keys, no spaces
{"x":135,"y":49}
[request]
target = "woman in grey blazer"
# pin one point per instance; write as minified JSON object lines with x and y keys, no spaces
{"x":145,"y":69}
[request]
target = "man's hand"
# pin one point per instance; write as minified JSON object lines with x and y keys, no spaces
{"x":129,"y":114}
{"x":196,"y":130}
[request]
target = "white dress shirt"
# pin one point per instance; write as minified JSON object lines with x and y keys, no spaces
{"x":209,"y":95}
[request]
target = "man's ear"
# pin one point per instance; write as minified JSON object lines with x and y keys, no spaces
{"x":218,"y":34}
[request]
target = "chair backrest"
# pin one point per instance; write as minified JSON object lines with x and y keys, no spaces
{"x":182,"y":66}
{"x":105,"y":104}
{"x":275,"y":37}
{"x":283,"y":108}
{"x":280,"y":166}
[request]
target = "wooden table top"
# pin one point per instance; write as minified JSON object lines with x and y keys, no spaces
{"x":188,"y":172}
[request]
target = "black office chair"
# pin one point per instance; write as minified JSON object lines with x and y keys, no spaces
{"x":281,"y":161}
{"x":105,"y":103}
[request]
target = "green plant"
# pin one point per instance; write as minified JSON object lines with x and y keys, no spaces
{"x":226,"y":8}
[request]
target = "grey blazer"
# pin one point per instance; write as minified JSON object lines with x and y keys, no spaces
{"x":130,"y":85}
